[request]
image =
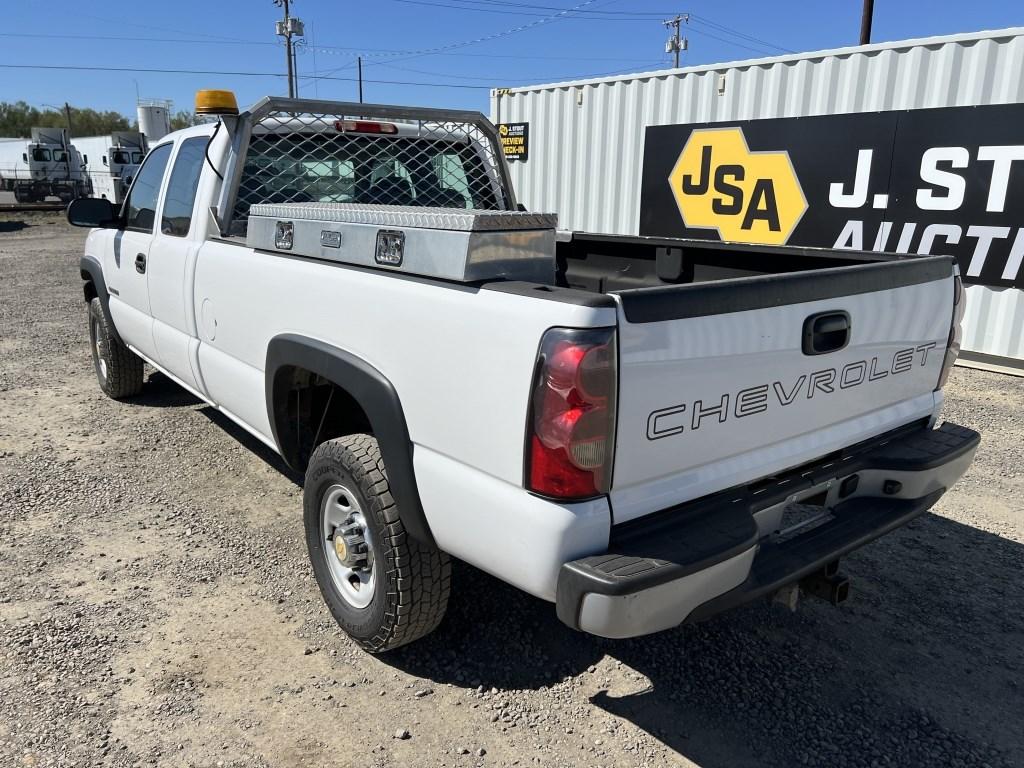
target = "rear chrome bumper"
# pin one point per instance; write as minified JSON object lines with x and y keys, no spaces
{"x":692,"y":561}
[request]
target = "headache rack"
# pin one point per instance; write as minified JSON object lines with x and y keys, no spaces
{"x":422,"y":191}
{"x":313,"y":151}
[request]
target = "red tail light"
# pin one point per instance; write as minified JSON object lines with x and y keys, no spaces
{"x":364,"y":126}
{"x":955,"y":331}
{"x":571,"y":431}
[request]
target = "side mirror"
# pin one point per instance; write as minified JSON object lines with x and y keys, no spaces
{"x":92,"y":212}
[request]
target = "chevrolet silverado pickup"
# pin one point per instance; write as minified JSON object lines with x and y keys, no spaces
{"x":644,"y":432}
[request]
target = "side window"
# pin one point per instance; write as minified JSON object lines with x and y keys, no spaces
{"x":181,"y":189}
{"x":140,"y":206}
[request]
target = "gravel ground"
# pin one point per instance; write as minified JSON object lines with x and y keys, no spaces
{"x":157,"y":607}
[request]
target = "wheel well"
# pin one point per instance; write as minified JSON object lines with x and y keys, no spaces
{"x":317,"y":410}
{"x":88,"y":287}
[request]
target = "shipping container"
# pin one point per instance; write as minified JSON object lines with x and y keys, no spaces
{"x":580,"y":146}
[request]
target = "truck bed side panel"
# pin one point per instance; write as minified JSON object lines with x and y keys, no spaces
{"x":460,"y":358}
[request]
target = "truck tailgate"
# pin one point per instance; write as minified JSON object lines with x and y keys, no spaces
{"x":728,"y":382}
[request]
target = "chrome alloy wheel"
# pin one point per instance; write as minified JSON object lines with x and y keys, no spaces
{"x":101,"y":363}
{"x":347,"y":545}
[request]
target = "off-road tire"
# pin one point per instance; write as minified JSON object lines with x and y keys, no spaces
{"x":119,"y":371}
{"x":412,"y":584}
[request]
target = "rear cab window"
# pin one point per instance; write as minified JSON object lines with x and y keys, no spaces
{"x":329,"y":168}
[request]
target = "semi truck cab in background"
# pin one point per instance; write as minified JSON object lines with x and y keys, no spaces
{"x":642,"y":431}
{"x":43,"y":166}
{"x":110,"y":162}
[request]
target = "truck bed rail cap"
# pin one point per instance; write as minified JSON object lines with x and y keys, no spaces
{"x":423,"y":217}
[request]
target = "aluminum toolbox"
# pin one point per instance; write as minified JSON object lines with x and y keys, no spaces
{"x":449,"y":243}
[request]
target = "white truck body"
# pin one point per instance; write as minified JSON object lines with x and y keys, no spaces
{"x":110,"y":162}
{"x":716,"y":392}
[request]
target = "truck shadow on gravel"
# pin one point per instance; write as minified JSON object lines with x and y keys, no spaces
{"x":161,"y":392}
{"x":251,"y":444}
{"x":13,"y":226}
{"x":920,"y":668}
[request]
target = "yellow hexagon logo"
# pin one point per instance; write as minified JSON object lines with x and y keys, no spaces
{"x":748,"y":197}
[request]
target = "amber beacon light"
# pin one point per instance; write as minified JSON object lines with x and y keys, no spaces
{"x":212,"y":102}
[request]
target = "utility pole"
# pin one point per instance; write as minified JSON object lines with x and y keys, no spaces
{"x":359,"y":63}
{"x":67,"y":114}
{"x":288,"y":28}
{"x":675,"y":44}
{"x":865,"y":21}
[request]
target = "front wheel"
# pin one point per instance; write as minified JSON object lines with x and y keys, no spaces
{"x":118,"y":369}
{"x":384,"y":588}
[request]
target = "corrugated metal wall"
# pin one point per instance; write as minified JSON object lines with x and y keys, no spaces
{"x":586,"y":137}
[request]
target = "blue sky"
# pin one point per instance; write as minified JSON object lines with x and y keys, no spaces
{"x":419,"y":41}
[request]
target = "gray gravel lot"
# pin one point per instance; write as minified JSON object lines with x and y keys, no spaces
{"x":157,"y":607}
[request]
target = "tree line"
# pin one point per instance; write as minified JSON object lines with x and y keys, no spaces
{"x":18,"y":119}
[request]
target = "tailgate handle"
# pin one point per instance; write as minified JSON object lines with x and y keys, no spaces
{"x":826,"y":332}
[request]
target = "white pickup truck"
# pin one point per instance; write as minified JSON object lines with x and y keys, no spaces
{"x":644,"y":432}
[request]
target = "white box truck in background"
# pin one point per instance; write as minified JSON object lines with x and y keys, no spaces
{"x":42,"y":166}
{"x":110,"y":162}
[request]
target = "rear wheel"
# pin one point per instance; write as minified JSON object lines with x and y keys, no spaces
{"x":118,"y":369}
{"x":384,"y":588}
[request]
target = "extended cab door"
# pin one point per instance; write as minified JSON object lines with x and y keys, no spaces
{"x":172,"y":266}
{"x":126,"y":267}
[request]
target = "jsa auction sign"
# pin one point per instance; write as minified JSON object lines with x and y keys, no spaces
{"x":515,"y":140}
{"x":938,"y":181}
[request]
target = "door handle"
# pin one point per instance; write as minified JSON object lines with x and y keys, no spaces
{"x":826,"y":332}
{"x":140,"y":263}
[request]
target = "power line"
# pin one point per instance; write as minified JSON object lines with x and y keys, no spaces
{"x":569,"y":13}
{"x":487,"y":38}
{"x":336,"y":50}
{"x":567,"y":17}
{"x":727,"y":41}
{"x":545,"y":78}
{"x":698,"y":19}
{"x":125,"y":23}
{"x":388,"y":52}
{"x":135,"y":39}
{"x":561,"y":8}
{"x":164,"y":71}
{"x":155,"y":71}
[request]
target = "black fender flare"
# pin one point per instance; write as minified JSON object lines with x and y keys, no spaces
{"x":92,"y":271}
{"x":377,"y":397}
